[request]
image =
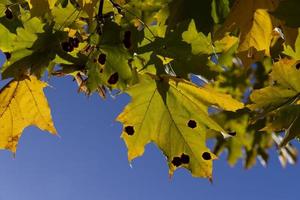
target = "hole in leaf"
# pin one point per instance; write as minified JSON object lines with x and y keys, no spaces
{"x":102,"y":58}
{"x":7,"y":55}
{"x":206,"y":156}
{"x":129,"y":130}
{"x":8,"y":14}
{"x":298,"y":66}
{"x":113,"y":79}
{"x":127,"y":39}
{"x":185,"y":159}
{"x":176,"y":161}
{"x":192,"y":124}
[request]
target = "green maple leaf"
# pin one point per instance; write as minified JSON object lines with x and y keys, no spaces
{"x":173,"y":114}
{"x":114,"y":69}
{"x":245,"y":138}
{"x":277,"y":98}
{"x":201,"y":44}
{"x":114,"y":72}
{"x":290,"y":51}
{"x":188,"y":49}
{"x":199,"y":11}
{"x":29,"y":48}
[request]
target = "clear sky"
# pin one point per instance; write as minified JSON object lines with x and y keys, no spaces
{"x":89,"y":162}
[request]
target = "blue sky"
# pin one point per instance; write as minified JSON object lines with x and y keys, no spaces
{"x":89,"y":161}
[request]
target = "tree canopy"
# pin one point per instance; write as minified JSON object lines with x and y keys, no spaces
{"x":220,"y":72}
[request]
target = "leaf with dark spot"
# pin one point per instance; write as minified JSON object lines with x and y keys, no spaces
{"x":160,"y":111}
{"x":113,"y":79}
{"x":66,"y":46}
{"x":185,"y":159}
{"x":232,"y":133}
{"x":129,"y":130}
{"x":192,"y":124}
{"x":127,"y":39}
{"x":102,"y":58}
{"x":7,"y":55}
{"x":206,"y":156}
{"x":298,"y":66}
{"x":176,"y":161}
{"x":74,"y":42}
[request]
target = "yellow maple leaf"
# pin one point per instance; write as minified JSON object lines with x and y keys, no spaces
{"x":252,"y":19}
{"x":23,"y":103}
{"x":173,"y":113}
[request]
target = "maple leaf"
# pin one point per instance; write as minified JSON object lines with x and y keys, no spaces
{"x":173,"y":114}
{"x":109,"y":64}
{"x":254,"y":23}
{"x":201,"y":44}
{"x":29,"y":48}
{"x":278,"y":98}
{"x":23,"y":104}
{"x":289,"y":50}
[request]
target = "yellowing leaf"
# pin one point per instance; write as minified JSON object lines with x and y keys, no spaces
{"x":289,"y":50}
{"x":165,"y":60}
{"x":259,"y":33}
{"x":286,"y":79}
{"x":23,"y":104}
{"x":173,"y":114}
{"x":280,"y":99}
{"x":252,"y":19}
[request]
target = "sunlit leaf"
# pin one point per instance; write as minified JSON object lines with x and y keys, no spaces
{"x":23,"y":104}
{"x":173,"y":114}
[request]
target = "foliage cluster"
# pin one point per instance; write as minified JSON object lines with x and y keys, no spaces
{"x":197,"y":71}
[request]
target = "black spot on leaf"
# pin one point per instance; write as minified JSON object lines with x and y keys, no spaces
{"x":232,"y":133}
{"x":102,"y":58}
{"x":298,"y":66}
{"x":74,"y":42}
{"x":129,"y":130}
{"x":66,"y":46}
{"x":127,"y":39}
{"x":185,"y":159}
{"x":192,"y":124}
{"x":8,"y":14}
{"x":176,"y":161}
{"x":7,"y":55}
{"x":206,"y":156}
{"x":113,"y":79}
